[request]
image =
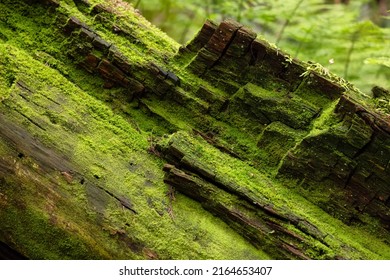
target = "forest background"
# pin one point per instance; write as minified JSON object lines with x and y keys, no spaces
{"x":349,"y":38}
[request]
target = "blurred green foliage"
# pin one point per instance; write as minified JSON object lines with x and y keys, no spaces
{"x":351,"y":40}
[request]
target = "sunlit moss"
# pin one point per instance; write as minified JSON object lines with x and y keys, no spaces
{"x":110,"y":153}
{"x":110,"y":142}
{"x":280,"y":193}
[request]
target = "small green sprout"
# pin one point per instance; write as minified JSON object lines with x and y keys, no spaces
{"x":287,"y":60}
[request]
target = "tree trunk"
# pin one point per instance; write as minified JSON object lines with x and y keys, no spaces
{"x":117,"y":143}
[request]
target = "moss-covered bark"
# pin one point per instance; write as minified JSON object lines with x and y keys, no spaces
{"x":269,"y":158}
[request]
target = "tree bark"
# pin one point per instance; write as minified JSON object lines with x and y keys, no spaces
{"x":117,"y":143}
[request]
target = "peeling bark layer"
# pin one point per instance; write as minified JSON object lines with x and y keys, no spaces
{"x":116,"y":142}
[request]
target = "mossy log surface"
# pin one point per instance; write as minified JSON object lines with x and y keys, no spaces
{"x":118,"y":143}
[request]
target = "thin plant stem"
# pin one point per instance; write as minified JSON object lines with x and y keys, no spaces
{"x":301,"y":42}
{"x":287,"y":22}
{"x":239,"y":12}
{"x":350,"y":51}
{"x":137,"y":4}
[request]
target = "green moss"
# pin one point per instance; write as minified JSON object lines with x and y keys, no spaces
{"x":277,"y":139}
{"x":147,"y":42}
{"x":108,"y":142}
{"x":109,"y":152}
{"x":326,"y":119}
{"x":34,"y":241}
{"x":274,"y":106}
{"x":280,"y":194}
{"x":168,"y":115}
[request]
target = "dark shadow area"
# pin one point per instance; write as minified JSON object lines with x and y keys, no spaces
{"x":7,"y":253}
